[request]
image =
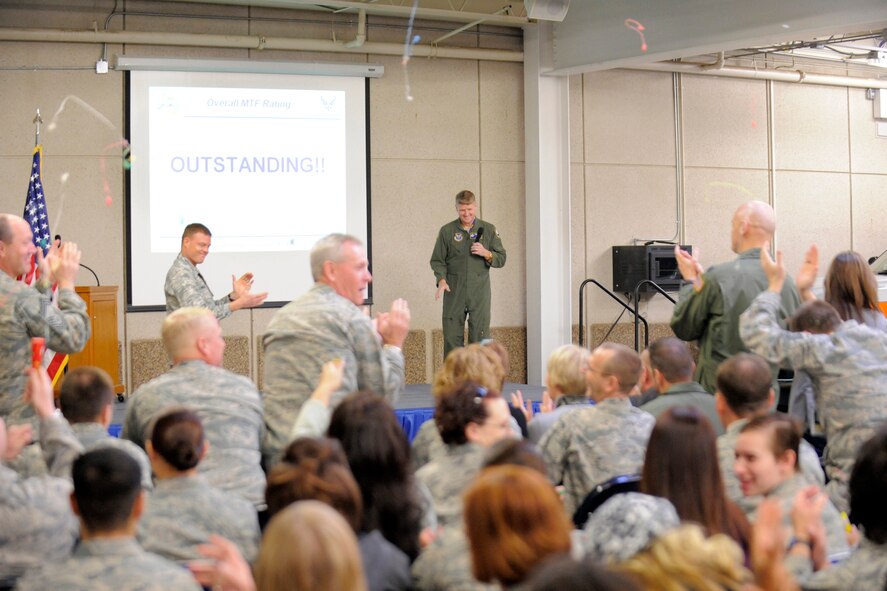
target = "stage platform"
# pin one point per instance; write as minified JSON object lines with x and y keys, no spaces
{"x":415,"y":406}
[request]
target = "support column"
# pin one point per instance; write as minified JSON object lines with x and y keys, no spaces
{"x":547,"y":133}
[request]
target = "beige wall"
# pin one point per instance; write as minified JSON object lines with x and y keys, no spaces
{"x":463,"y":130}
{"x":827,"y":168}
{"x":818,"y":145}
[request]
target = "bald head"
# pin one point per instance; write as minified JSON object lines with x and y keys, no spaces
{"x":754,"y":223}
{"x":16,"y":245}
{"x":193,"y":333}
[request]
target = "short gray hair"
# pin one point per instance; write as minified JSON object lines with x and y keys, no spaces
{"x":329,"y":248}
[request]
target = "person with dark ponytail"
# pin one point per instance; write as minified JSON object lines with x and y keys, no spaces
{"x":185,"y":510}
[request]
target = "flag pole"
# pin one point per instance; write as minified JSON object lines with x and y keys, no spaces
{"x":37,"y":121}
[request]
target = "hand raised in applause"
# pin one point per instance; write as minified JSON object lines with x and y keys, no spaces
{"x":774,"y":270}
{"x":241,"y":285}
{"x":688,"y":263}
{"x":38,"y":392}
{"x":60,"y":265}
{"x":331,"y":374}
{"x":394,"y":325}
{"x":807,"y":274}
{"x":226,"y":570}
{"x":525,"y":406}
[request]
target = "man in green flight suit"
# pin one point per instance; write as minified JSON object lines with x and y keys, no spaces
{"x":465,"y":250}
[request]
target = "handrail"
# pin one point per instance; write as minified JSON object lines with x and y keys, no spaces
{"x":637,"y":317}
{"x":637,"y":299}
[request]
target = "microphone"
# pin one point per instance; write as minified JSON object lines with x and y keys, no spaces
{"x":58,"y":238}
{"x":479,"y":235}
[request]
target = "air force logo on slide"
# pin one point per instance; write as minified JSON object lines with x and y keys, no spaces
{"x":458,"y":237}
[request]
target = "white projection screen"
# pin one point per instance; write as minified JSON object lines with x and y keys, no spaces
{"x":268,"y":162}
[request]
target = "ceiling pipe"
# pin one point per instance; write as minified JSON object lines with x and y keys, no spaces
{"x":252,"y":42}
{"x":798,"y":76}
{"x":437,"y":14}
{"x":361,"y":36}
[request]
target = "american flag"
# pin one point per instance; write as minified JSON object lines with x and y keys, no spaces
{"x":35,"y":214}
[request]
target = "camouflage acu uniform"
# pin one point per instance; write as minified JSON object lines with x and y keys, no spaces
{"x":544,"y":421}
{"x":811,"y":470}
{"x":448,"y":476}
{"x":36,"y":522}
{"x":427,"y":445}
{"x":864,"y":570}
{"x":92,"y":436}
{"x":711,"y":316}
{"x":848,"y":369}
{"x":26,"y":312}
{"x":589,"y":446}
{"x":109,"y":563}
{"x":231,"y":411}
{"x":306,"y":333}
{"x":185,"y":286}
{"x":183,"y":512}
{"x":445,"y":565}
{"x":836,"y":540}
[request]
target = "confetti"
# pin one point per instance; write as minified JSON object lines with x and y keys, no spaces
{"x":408,"y":51}
{"x":639,"y":29}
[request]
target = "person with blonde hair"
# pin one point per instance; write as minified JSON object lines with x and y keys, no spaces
{"x":229,"y":405}
{"x":684,"y":559}
{"x":514,"y":520}
{"x":308,"y":546}
{"x":564,"y":389}
{"x":474,"y":363}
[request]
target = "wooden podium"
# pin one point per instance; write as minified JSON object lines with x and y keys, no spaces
{"x":101,"y":348}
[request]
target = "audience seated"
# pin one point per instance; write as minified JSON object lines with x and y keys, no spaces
{"x":317,"y":469}
{"x":745,"y":391}
{"x":109,"y":500}
{"x":310,"y":547}
{"x":563,"y":573}
{"x":378,"y":453}
{"x":470,"y":419}
{"x":641,"y":536}
{"x":519,"y":418}
{"x":767,"y":464}
{"x":684,"y":559}
{"x":184,"y":510}
{"x":591,"y":445}
{"x":474,"y":363}
{"x":36,"y":523}
{"x":514,"y":521}
{"x":673,"y":369}
{"x":564,"y":389}
{"x":228,"y":405}
{"x":646,"y":388}
{"x":866,"y":568}
{"x":445,"y":564}
{"x":681,"y":465}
